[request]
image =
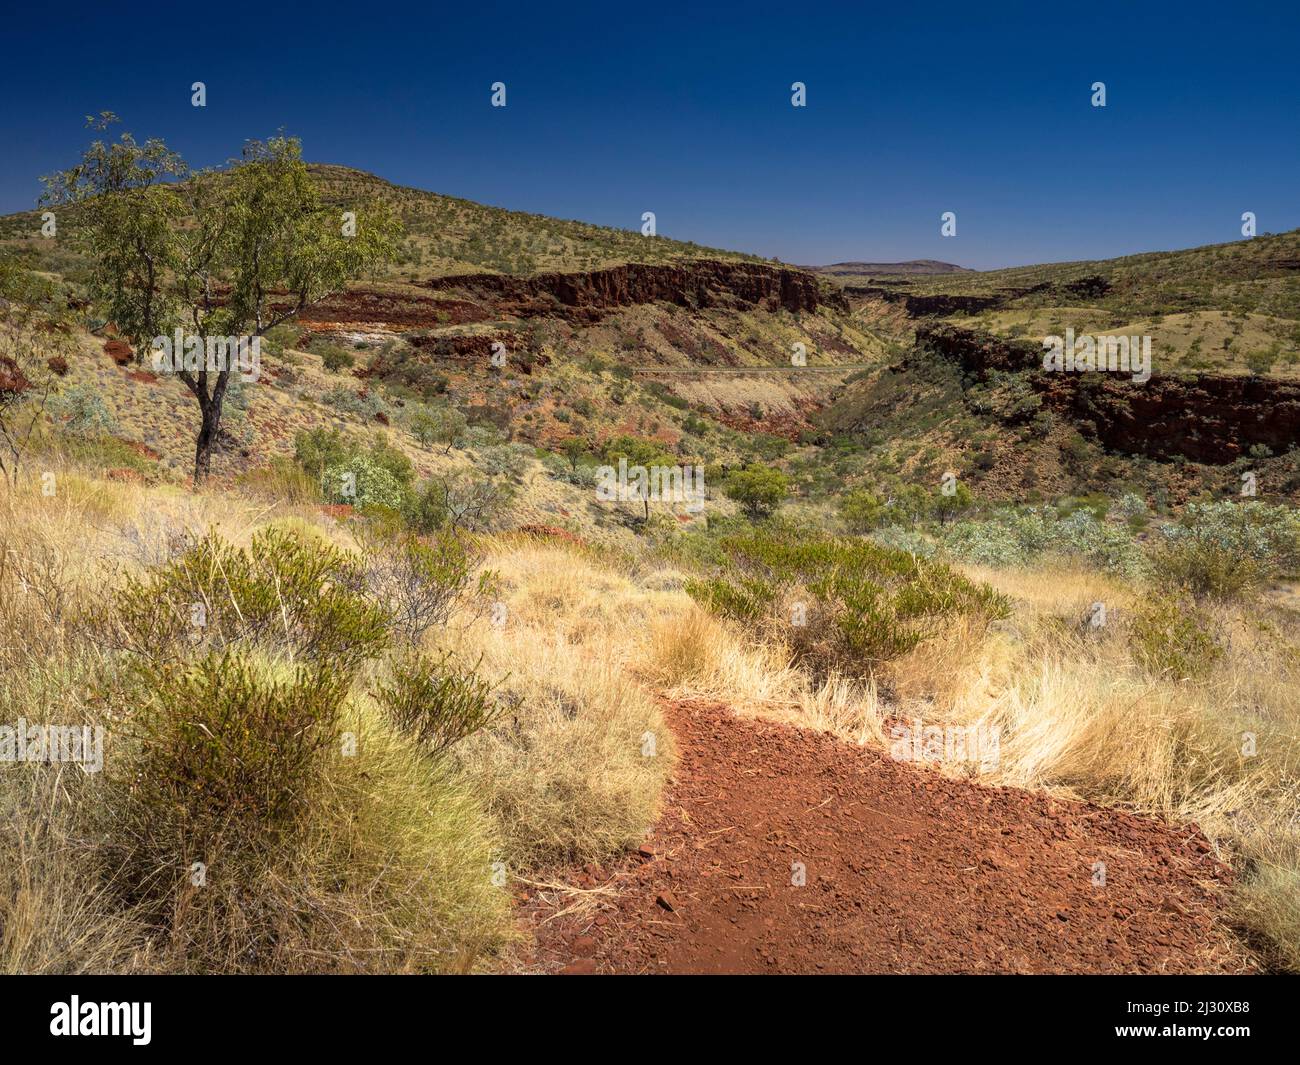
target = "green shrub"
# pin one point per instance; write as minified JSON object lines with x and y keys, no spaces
{"x":759,"y":490}
{"x":224,"y":740}
{"x":460,"y":501}
{"x":364,"y":484}
{"x":1226,"y":550}
{"x":256,"y":820}
{"x":82,"y":412}
{"x":420,"y":580}
{"x":363,"y":405}
{"x":221,"y":762}
{"x":437,"y":702}
{"x":335,"y":358}
{"x":301,"y":597}
{"x":317,"y":449}
{"x":280,"y":338}
{"x":844,"y":605}
{"x":1173,"y":639}
{"x":392,"y":459}
{"x":440,"y":425}
{"x":862,"y":510}
{"x":1023,"y":536}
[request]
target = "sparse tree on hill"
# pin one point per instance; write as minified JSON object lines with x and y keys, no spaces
{"x":442,"y":425}
{"x":862,"y":510}
{"x":574,"y":448}
{"x":214,"y":253}
{"x":949,"y":504}
{"x":758,"y":489}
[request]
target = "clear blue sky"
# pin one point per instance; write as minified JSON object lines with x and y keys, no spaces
{"x":913,"y":110}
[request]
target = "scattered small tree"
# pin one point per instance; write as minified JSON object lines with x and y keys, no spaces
{"x":637,"y":452}
{"x":862,"y":510}
{"x":949,"y":504}
{"x":216,"y":253}
{"x":758,"y":489}
{"x":442,"y":425}
{"x":574,"y":448}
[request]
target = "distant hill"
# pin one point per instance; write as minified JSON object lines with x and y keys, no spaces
{"x":912,"y":266}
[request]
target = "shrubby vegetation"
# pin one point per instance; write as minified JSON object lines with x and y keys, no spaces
{"x":758,"y":489}
{"x":1227,"y":550}
{"x":844,"y":606}
{"x":253,"y":796}
{"x":1019,"y":537}
{"x":377,"y":477}
{"x":82,"y":412}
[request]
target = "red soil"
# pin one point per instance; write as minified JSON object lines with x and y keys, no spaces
{"x":119,"y":351}
{"x":906,"y":872}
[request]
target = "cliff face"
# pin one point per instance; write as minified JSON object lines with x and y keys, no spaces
{"x":942,"y":304}
{"x":699,"y":284}
{"x":1208,"y":418}
{"x":925,"y":306}
{"x":581,"y":298}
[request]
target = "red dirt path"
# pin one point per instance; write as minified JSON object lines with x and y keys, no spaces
{"x":906,"y":872}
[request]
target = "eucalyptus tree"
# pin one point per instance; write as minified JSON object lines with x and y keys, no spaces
{"x":215,"y":258}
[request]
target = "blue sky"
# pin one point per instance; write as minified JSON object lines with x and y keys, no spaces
{"x":983,"y":110}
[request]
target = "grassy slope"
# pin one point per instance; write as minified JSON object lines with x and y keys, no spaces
{"x":444,"y":234}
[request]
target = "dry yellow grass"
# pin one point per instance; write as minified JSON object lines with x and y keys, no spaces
{"x":399,"y":866}
{"x":577,"y":772}
{"x":583,"y":645}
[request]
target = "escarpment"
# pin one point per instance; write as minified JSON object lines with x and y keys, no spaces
{"x":697,"y":284}
{"x":1210,"y":418}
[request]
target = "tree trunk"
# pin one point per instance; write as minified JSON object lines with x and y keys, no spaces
{"x":210,"y":406}
{"x":207,"y":439}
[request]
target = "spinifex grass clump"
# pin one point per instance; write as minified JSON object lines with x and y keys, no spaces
{"x":846,"y":606}
{"x":258,"y":815}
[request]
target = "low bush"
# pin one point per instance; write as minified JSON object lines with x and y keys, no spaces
{"x":1227,"y":550}
{"x":81,"y":412}
{"x":842,"y":606}
{"x":421,"y":580}
{"x":1023,"y":536}
{"x":336,"y":358}
{"x":861,"y":510}
{"x":758,"y":489}
{"x":363,"y":483}
{"x":1173,"y":640}
{"x":436,"y":701}
{"x":436,"y":425}
{"x":286,"y":593}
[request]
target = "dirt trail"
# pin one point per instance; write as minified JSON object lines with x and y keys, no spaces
{"x":906,"y":872}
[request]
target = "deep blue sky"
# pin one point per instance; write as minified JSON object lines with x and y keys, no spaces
{"x":685,"y":111}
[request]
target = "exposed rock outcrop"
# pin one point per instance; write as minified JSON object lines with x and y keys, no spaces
{"x":1206,"y":417}
{"x":13,"y":381}
{"x":938,"y":305}
{"x":696,"y":284}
